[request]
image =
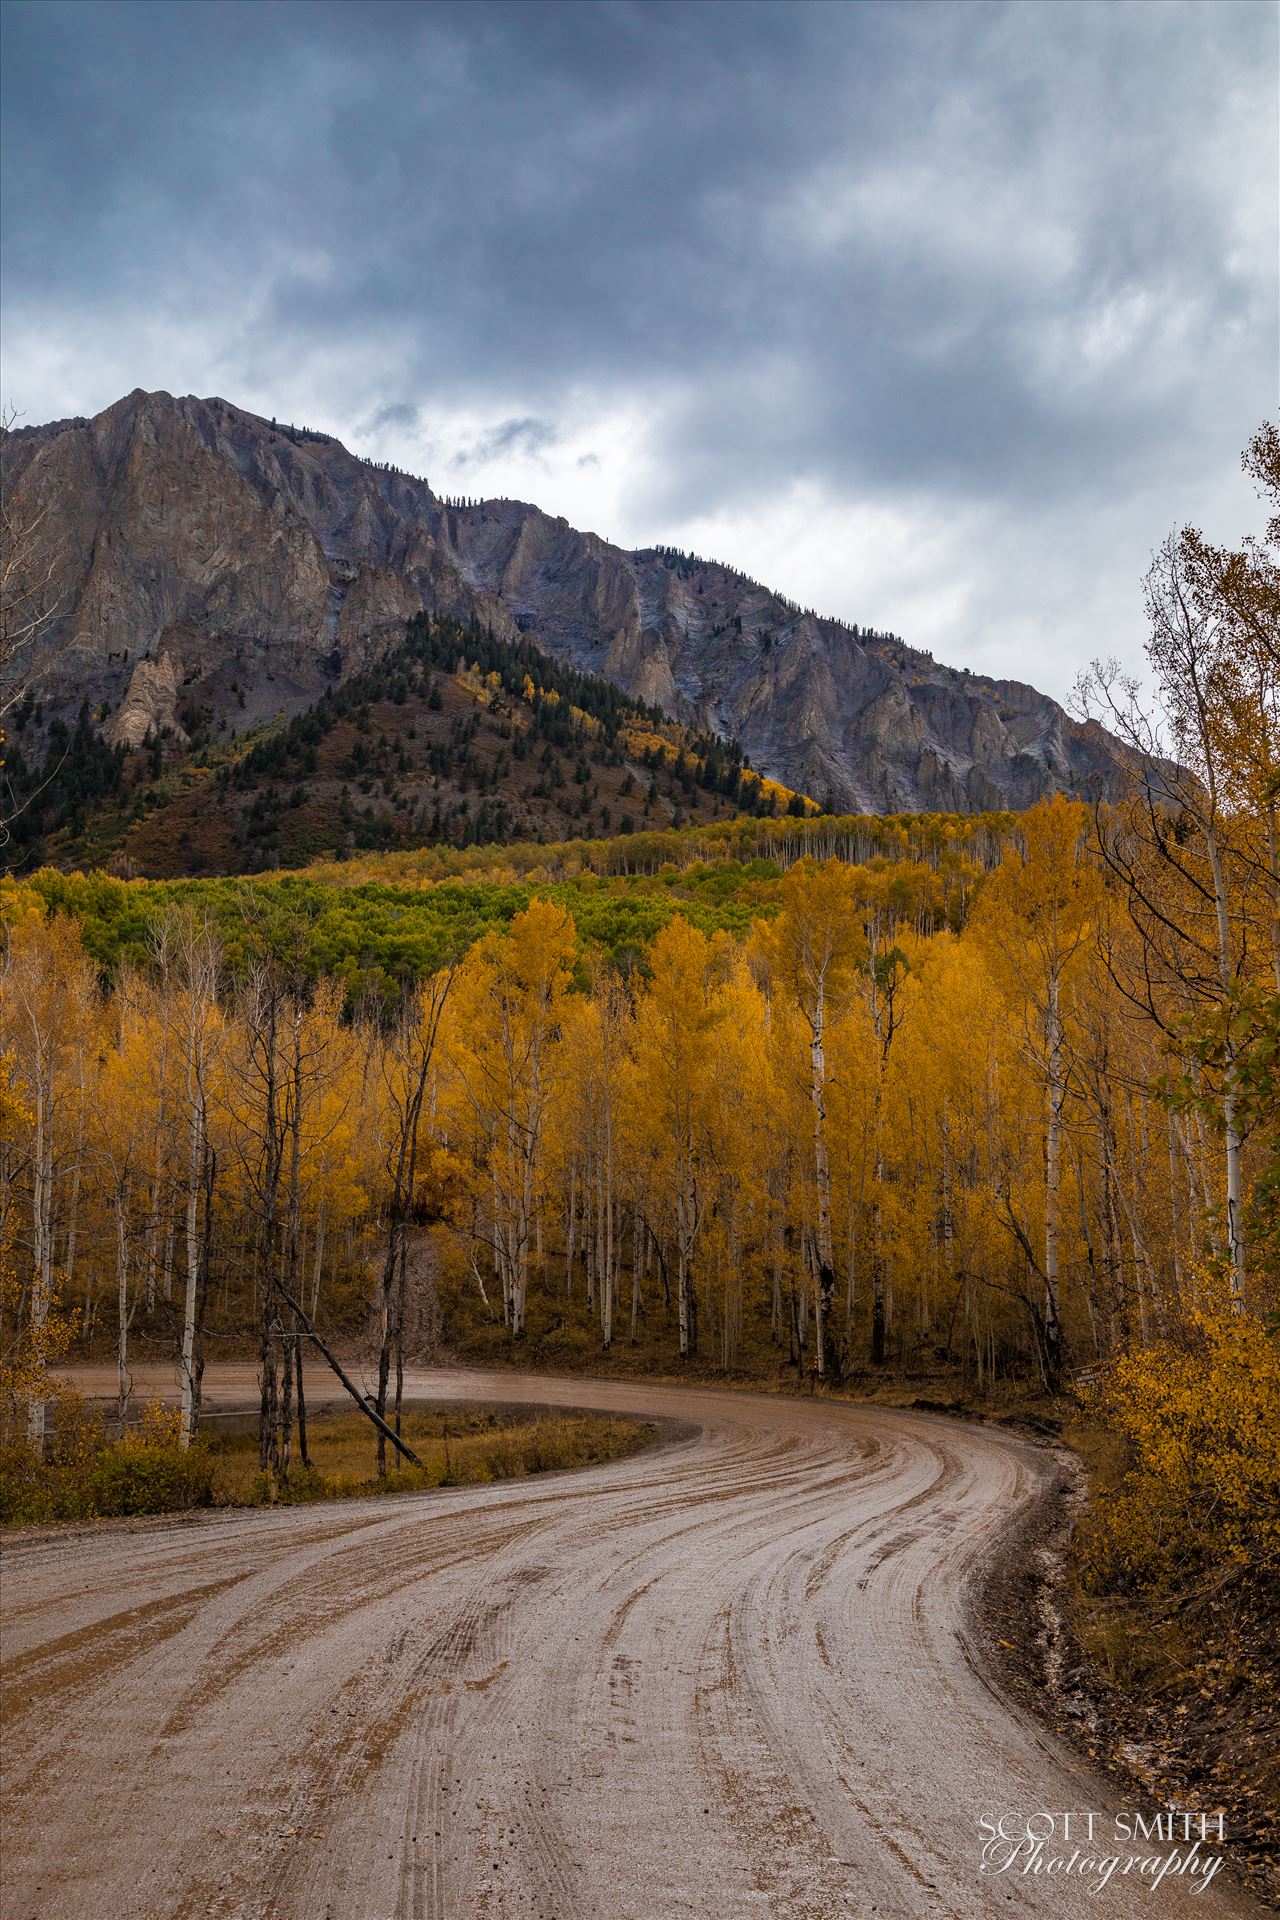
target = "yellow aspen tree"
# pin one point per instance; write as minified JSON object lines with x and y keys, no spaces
{"x":189,"y":961}
{"x":504,"y":1029}
{"x":1237,"y":592}
{"x":46,"y":988}
{"x":674,"y":1063}
{"x":742,"y":1118}
{"x":1038,"y":914}
{"x":589,"y":1125}
{"x":813,"y":948}
{"x":116,"y":1135}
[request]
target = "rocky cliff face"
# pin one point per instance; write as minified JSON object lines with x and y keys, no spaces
{"x":209,"y":559}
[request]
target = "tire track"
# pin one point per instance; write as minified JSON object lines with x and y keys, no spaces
{"x":730,"y":1680}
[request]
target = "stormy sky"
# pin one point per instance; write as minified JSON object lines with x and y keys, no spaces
{"x":933,"y":316}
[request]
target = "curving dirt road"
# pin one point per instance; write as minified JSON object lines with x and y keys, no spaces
{"x":728,"y":1677}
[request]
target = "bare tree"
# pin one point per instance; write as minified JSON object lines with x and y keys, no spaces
{"x":188,"y":952}
{"x":33,"y":593}
{"x":33,"y":585}
{"x":1201,"y":876}
{"x":406,"y":1067}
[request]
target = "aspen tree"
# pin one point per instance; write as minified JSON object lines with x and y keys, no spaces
{"x":46,"y":985}
{"x":1038,"y":912}
{"x":504,"y":1031}
{"x":813,"y":948}
{"x":189,"y":955}
{"x":407,"y":1059}
{"x":677,"y":1017}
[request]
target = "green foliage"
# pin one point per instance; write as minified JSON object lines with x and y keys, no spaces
{"x":55,"y":790}
{"x":1248,"y":1026}
{"x":373,"y":934}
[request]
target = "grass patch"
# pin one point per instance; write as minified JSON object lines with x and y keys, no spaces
{"x":459,"y":1448}
{"x":85,"y":1475}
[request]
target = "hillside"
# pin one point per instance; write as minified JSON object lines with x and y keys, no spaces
{"x":381,"y":918}
{"x":450,"y":738}
{"x":211,"y":570}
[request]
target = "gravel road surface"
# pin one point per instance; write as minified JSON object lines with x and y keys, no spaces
{"x":731,"y":1676}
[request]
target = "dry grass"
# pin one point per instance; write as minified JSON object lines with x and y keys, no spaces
{"x":462,"y":1447}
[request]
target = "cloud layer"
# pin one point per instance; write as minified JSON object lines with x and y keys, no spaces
{"x":935,"y":316}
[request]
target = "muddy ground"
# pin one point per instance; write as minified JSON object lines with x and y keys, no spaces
{"x":738,"y":1674}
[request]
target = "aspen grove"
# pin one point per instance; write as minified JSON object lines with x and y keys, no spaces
{"x":1010,"y":1111}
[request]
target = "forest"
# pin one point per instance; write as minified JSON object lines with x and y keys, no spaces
{"x":820,"y":1099}
{"x":451,"y":736}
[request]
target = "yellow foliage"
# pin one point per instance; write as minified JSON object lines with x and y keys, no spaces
{"x":28,"y":1353}
{"x":18,"y":904}
{"x":1200,"y":1419}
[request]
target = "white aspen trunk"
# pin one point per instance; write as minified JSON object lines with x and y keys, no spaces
{"x":157,"y":1166}
{"x":606,"y":1283}
{"x":41,"y":1210}
{"x":122,"y":1304}
{"x":1273,"y":861}
{"x":1175,"y":1224}
{"x":824,"y":1276}
{"x":153,"y":1224}
{"x":321,"y":1224}
{"x":73,"y":1211}
{"x":195,"y":1160}
{"x":187,"y":1364}
{"x":597,"y":1211}
{"x":607,"y":1301}
{"x":589,"y":1228}
{"x":635,"y":1279}
{"x":685,"y":1224}
{"x":1233,"y":1140}
{"x":501,"y":1245}
{"x":521,"y":1289}
{"x":1090,"y":1292}
{"x":853,"y":1204}
{"x":775,"y":1315}
{"x":571,"y":1226}
{"x":1193,"y":1158}
{"x":1053,"y":1176}
{"x":170,"y":1237}
{"x":682,"y":1275}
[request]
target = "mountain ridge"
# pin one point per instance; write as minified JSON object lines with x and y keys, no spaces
{"x":216,"y":561}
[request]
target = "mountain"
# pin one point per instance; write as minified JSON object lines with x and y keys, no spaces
{"x":451,"y":738}
{"x":216,"y":571}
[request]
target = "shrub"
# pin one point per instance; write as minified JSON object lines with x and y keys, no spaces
{"x":137,"y":1476}
{"x":1200,"y":1424}
{"x":84,"y":1476}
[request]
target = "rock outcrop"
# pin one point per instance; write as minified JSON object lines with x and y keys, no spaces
{"x":150,"y":705}
{"x":244,"y":566}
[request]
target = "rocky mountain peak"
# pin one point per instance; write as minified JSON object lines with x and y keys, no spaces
{"x":246,"y":564}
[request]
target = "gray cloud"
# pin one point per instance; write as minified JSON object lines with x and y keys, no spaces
{"x":396,"y":414}
{"x":509,"y":437}
{"x":1013,"y":264}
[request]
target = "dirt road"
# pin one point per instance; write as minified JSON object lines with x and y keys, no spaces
{"x":729,"y":1677}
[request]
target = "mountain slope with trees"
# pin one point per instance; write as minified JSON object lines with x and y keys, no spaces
{"x":452,"y":737}
{"x":200,"y":567}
